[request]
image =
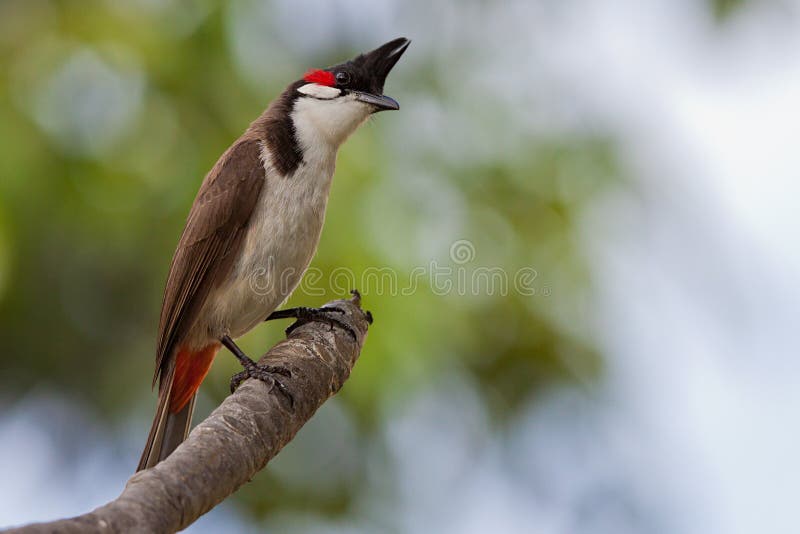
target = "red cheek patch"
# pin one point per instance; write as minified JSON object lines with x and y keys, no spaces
{"x":322,"y":77}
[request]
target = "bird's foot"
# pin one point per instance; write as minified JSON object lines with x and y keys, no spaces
{"x":264,"y":372}
{"x":306,"y":315}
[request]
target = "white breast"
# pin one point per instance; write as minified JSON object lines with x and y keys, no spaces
{"x":281,"y":241}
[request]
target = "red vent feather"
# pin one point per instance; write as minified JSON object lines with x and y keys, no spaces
{"x":322,"y":77}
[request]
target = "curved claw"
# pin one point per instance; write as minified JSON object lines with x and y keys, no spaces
{"x":265,"y":373}
{"x":321,"y":315}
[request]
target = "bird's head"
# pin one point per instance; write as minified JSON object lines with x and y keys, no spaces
{"x":333,"y":102}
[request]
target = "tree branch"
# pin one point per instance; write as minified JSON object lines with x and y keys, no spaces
{"x":236,"y":441}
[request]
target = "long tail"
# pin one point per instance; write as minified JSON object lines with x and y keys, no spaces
{"x":177,"y":392}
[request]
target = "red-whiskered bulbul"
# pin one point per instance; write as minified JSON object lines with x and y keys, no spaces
{"x":252,"y":231}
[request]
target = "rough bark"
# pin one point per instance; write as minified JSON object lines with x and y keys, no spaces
{"x":236,"y":441}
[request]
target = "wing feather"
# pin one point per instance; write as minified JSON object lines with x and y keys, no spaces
{"x":214,"y":231}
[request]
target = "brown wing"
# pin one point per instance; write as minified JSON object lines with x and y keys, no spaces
{"x":206,"y":252}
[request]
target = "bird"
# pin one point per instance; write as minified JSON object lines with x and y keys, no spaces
{"x":253,"y":229}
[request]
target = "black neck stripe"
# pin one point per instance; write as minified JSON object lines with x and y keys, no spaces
{"x":276,"y":128}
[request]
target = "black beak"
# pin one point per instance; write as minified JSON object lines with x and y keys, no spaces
{"x":381,"y":102}
{"x":379,"y":63}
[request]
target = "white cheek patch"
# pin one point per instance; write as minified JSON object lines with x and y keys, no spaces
{"x":323,"y":92}
{"x":330,"y":120}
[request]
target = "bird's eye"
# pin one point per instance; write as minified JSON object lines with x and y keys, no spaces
{"x":342,"y":78}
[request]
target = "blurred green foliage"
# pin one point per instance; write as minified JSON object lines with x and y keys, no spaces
{"x":724,"y":8}
{"x":88,"y":222}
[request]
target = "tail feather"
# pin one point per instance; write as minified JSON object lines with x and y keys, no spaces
{"x":177,"y":393}
{"x":152,"y":449}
